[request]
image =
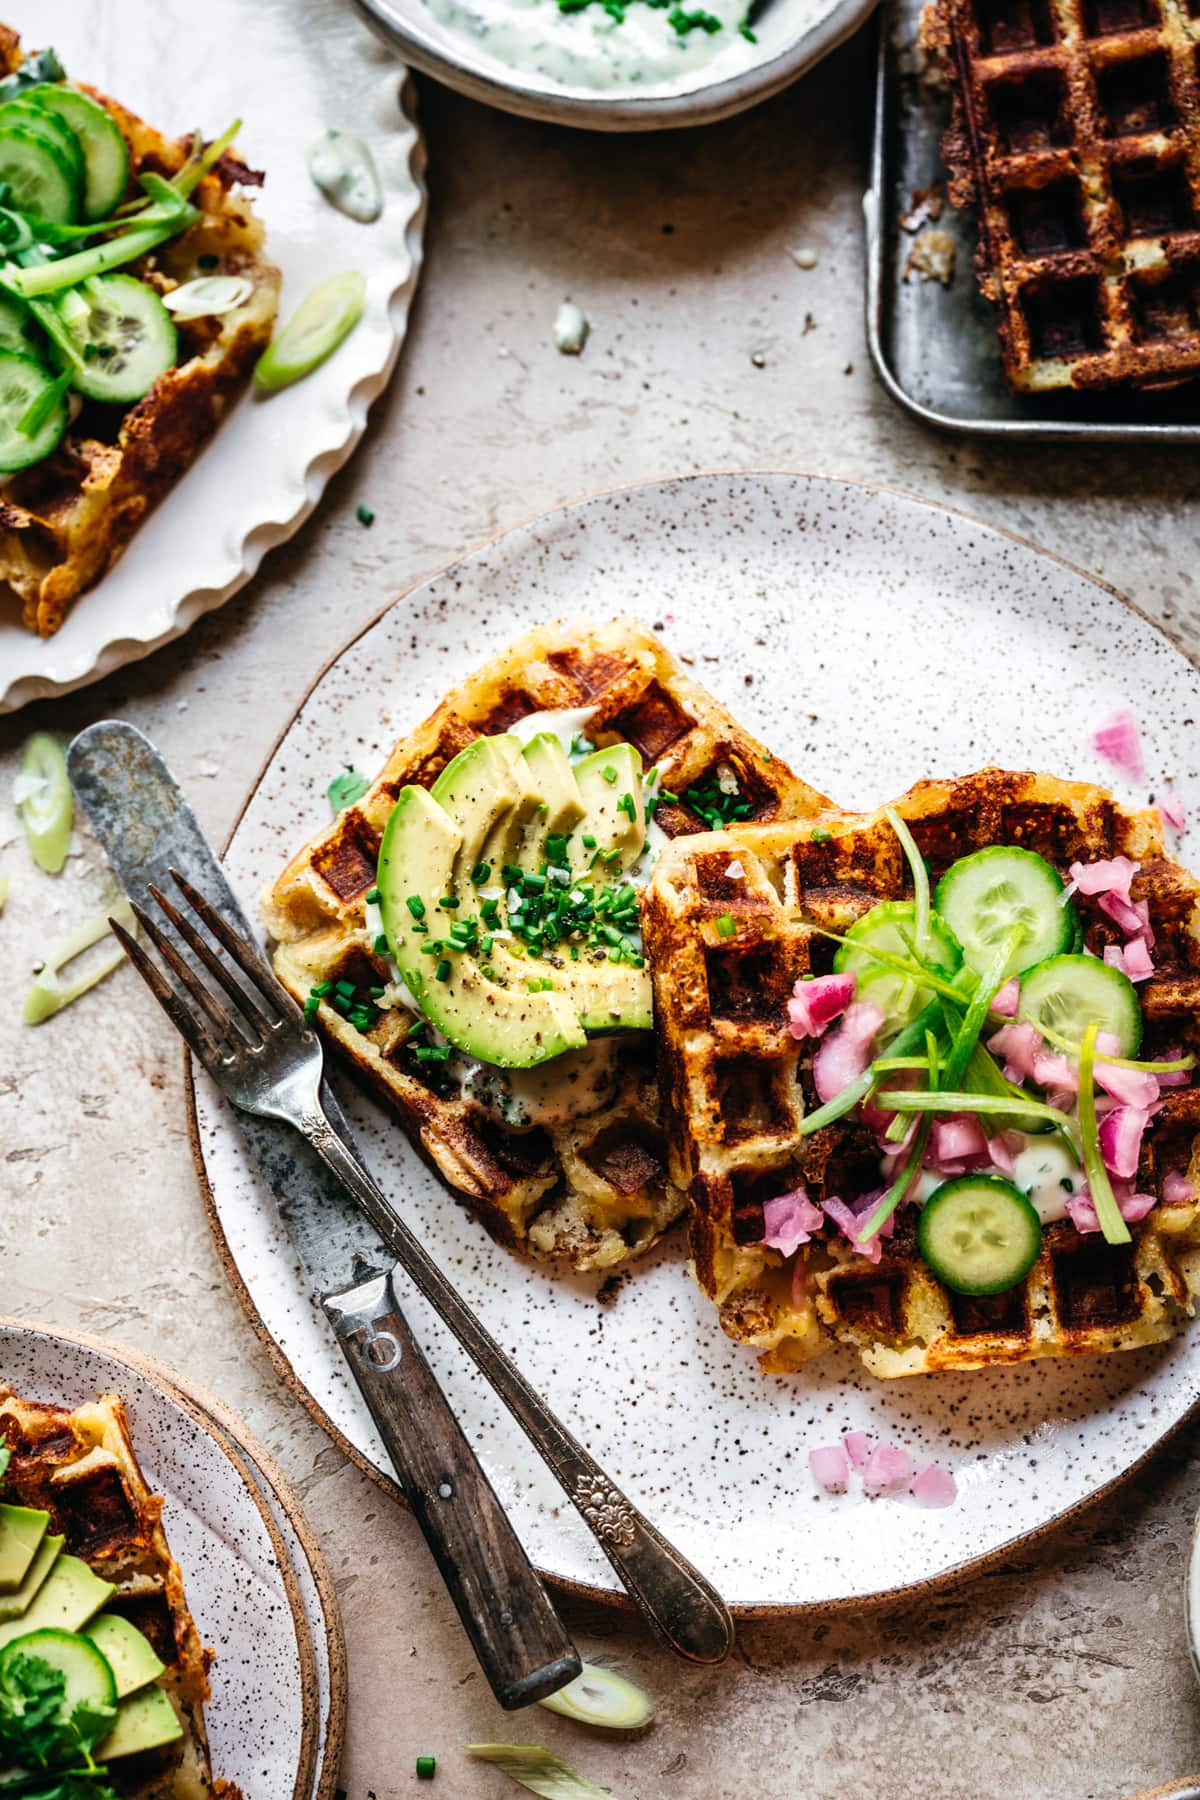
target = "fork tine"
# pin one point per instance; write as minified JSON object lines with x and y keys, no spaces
{"x":223,"y":1026}
{"x":244,"y":954}
{"x":187,"y":1025}
{"x":237,"y":993}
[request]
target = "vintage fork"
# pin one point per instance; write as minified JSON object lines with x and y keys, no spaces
{"x":265,"y":1058}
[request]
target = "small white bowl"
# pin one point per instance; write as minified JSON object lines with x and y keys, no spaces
{"x":792,"y":36}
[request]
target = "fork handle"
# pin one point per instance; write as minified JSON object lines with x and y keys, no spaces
{"x":521,"y":1644}
{"x":674,"y":1597}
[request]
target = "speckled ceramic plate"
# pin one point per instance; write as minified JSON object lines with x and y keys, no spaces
{"x":265,"y":470}
{"x":265,"y":1727}
{"x":872,"y":638}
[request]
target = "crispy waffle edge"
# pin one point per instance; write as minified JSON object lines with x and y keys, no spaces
{"x":81,"y":1467}
{"x":738,"y":1084}
{"x":67,"y":520}
{"x":1073,"y":137}
{"x":596,"y":1193}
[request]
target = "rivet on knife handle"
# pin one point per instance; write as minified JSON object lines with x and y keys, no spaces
{"x":521,"y":1644}
{"x":676,"y":1599}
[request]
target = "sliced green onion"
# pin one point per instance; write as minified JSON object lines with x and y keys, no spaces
{"x":426,"y":1768}
{"x":1174,"y":1066}
{"x":208,"y":296}
{"x":539,"y":1771}
{"x":966,"y":1037}
{"x":600,"y":1696}
{"x":1115,"y":1230}
{"x":39,"y":410}
{"x":892,"y":1065}
{"x":323,"y":319}
{"x":902,"y":1100}
{"x":201,"y":161}
{"x":920,"y":879}
{"x":44,"y":799}
{"x":69,"y":271}
{"x":47,"y":994}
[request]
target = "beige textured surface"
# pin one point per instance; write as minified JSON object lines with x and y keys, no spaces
{"x":1063,"y":1676}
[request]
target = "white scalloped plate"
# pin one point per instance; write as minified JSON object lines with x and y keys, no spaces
{"x":264,"y":1724}
{"x":872,"y":638}
{"x":260,"y":477}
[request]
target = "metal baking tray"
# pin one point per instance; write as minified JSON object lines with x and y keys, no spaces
{"x":935,"y":348}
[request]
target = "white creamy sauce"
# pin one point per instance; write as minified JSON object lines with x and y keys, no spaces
{"x":1041,"y":1168}
{"x":566,"y":723}
{"x":566,"y":1087}
{"x":343,"y":168}
{"x":592,"y":49}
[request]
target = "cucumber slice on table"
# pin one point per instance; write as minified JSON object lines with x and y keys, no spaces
{"x":43,"y":181}
{"x":128,"y":339}
{"x":316,"y":328}
{"x":87,"y":1674}
{"x":985,"y":896}
{"x":24,"y":382}
{"x":1068,"y":993}
{"x":890,"y":927}
{"x":979,"y":1234}
{"x":106,"y":159}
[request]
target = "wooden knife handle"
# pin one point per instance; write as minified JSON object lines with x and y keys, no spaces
{"x":518,"y":1637}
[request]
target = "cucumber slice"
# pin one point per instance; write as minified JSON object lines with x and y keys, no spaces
{"x":890,"y":927}
{"x":128,"y":339}
{"x":979,"y":1234}
{"x":1069,"y":992}
{"x":88,"y":1677}
{"x":42,"y":180}
{"x":26,"y":111}
{"x":14,"y":320}
{"x":985,"y":896}
{"x":105,"y":157}
{"x":314,"y":331}
{"x":23,"y":383}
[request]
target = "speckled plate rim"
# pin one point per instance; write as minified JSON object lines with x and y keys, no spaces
{"x":243,"y":1444}
{"x":704,"y":104}
{"x":230,"y":1446}
{"x":950,"y":1577}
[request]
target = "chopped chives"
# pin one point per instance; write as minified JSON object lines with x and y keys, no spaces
{"x":625,"y":805}
{"x":588,"y":841}
{"x":425,"y":1767}
{"x":381,"y":945}
{"x":442,"y":972}
{"x":480,"y":873}
{"x":372,"y":896}
{"x":726,"y":925}
{"x":609,"y":774}
{"x":346,"y":988}
{"x":415,"y":905}
{"x":449,"y":901}
{"x":364,"y":514}
{"x":820,"y":835}
{"x":321,"y":988}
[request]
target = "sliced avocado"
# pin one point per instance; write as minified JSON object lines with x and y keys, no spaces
{"x":610,"y":782}
{"x":22,"y":1529}
{"x":128,"y":1652}
{"x":478,"y":792}
{"x":560,"y":808}
{"x":15,"y":1604}
{"x":65,"y":1601}
{"x":145,"y":1721}
{"x":508,"y":1026}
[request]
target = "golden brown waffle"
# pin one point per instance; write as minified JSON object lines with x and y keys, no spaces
{"x":1075,"y":136}
{"x":65,"y":521}
{"x":81,"y":1468}
{"x":739,"y":1083}
{"x":593,"y":1191}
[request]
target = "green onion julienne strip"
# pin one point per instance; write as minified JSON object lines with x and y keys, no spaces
{"x":975,"y":1017}
{"x":1174,"y":1066}
{"x":902,"y":1100}
{"x":68,"y":271}
{"x":1115,"y":1230}
{"x":920,"y":879}
{"x":905,"y":1041}
{"x":918,"y":972}
{"x":916,"y":1152}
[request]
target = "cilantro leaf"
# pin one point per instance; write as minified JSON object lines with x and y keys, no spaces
{"x":346,"y":788}
{"x":43,"y":65}
{"x":36,"y":1731}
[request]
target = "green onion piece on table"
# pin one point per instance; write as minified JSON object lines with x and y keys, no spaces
{"x":599,"y":1696}
{"x":49,"y":994}
{"x":45,"y":801}
{"x":1115,"y":1230}
{"x":539,"y":1771}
